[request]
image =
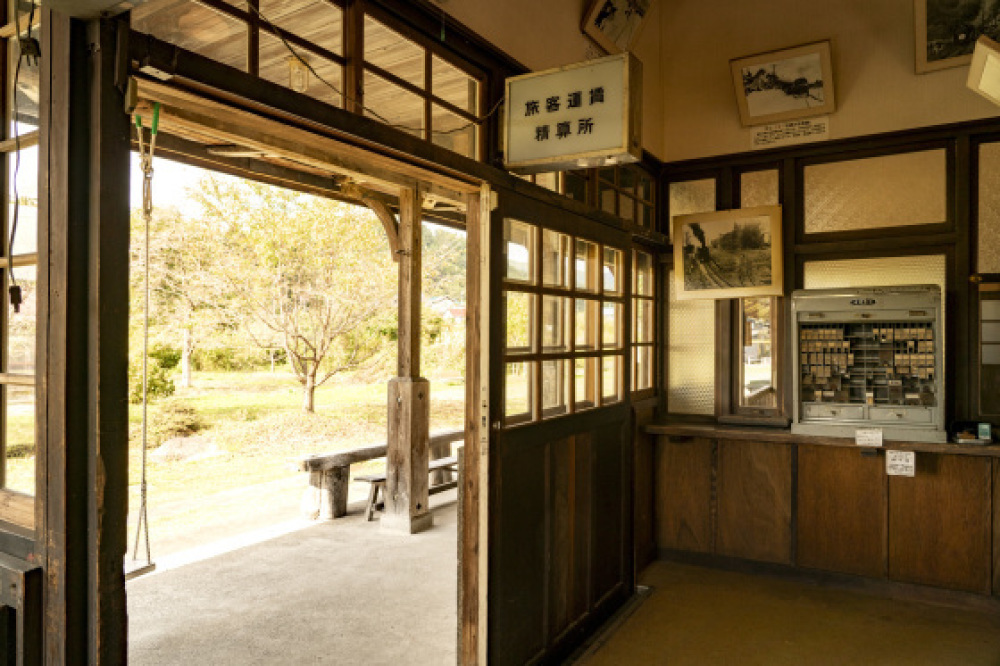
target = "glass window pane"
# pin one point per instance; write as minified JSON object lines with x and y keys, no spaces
{"x":555,"y":259}
{"x":611,"y":379}
{"x":454,"y":132}
{"x":626,"y":208}
{"x":691,"y":196}
{"x":627,"y":179}
{"x":645,"y":216}
{"x":555,"y":388}
{"x":453,"y":85}
{"x":643,"y":271}
{"x":875,"y":192}
{"x":989,"y":209}
{"x":394,"y":53}
{"x":642,"y":369}
{"x":519,"y":244}
{"x":20,"y":438}
{"x":607,"y":197}
{"x":195,"y":27}
{"x":576,"y":185}
{"x":645,"y":189}
{"x":611,"y":317}
{"x":759,"y":188}
{"x":612,"y":271}
{"x":758,"y":372}
{"x":586,"y":324}
{"x":519,"y":311}
{"x":279,"y":66}
{"x":643,"y":331}
{"x":317,"y":21}
{"x":26,"y":100}
{"x":394,"y":106}
{"x":585,"y":383}
{"x":21,"y":325}
{"x":517,"y":392}
{"x":555,"y":324}
{"x":691,"y":356}
{"x":25,"y":188}
{"x":586,"y":265}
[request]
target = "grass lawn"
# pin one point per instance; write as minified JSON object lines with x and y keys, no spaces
{"x":255,"y":427}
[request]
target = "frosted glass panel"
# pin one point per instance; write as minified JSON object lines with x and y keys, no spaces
{"x":759,"y":188}
{"x":691,"y":356}
{"x":691,"y":196}
{"x":876,"y":192}
{"x":880,"y":272}
{"x":989,"y":209}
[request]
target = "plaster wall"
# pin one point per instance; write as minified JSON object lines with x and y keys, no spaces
{"x":685,"y":46}
{"x":542,"y":34}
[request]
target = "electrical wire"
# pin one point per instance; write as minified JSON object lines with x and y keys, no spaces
{"x":406,"y":128}
{"x":17,"y":149}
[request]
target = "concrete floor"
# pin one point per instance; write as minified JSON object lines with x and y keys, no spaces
{"x":704,"y":616}
{"x":339,"y":592}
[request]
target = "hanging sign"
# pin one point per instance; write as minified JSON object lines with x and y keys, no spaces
{"x":582,"y":115}
{"x":900,"y":463}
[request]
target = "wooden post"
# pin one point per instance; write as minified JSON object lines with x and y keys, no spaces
{"x":409,"y":395}
{"x":82,"y":362}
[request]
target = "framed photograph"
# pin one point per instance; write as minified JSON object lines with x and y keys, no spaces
{"x":728,"y":254}
{"x":783,"y":85}
{"x":614,"y":24}
{"x":946,"y":31}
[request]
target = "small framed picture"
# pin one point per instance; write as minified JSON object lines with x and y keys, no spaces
{"x":614,"y":24}
{"x":946,"y":31}
{"x":728,"y":254}
{"x":784,"y":85}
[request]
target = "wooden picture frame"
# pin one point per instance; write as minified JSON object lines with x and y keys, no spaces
{"x":783,"y":85}
{"x":728,"y":254}
{"x":944,"y":39}
{"x":615,"y":24}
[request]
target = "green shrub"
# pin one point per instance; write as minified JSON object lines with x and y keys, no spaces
{"x":230,"y":358}
{"x":168,"y":357}
{"x":169,"y":419}
{"x":158,"y":382}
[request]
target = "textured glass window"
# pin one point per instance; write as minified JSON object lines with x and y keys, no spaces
{"x":389,"y":50}
{"x":989,"y":209}
{"x":691,"y":355}
{"x":759,"y":188}
{"x":393,"y":105}
{"x":875,"y":192}
{"x":276,"y":65}
{"x":691,"y":196}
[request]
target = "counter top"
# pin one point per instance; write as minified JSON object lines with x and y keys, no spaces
{"x":784,"y":435}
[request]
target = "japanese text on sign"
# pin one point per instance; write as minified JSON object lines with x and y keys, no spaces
{"x":564,"y":128}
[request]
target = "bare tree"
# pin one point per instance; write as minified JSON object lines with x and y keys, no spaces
{"x":311,"y":275}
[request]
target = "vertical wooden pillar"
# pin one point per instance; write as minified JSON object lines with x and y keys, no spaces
{"x":409,"y":394}
{"x":82,"y":427}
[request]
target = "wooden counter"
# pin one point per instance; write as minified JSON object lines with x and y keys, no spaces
{"x":824,"y":503}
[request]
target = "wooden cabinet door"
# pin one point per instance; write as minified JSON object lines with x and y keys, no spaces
{"x":683,"y":494}
{"x":940,"y":523}
{"x":755,"y":501}
{"x":841,"y":511}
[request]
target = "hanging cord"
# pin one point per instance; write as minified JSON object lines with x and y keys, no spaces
{"x":146,"y":161}
{"x":29,"y":49}
{"x":347,"y":98}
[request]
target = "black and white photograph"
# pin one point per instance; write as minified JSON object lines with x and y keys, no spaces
{"x":728,"y":254}
{"x":947,"y":30}
{"x":614,"y":24}
{"x":783,"y":85}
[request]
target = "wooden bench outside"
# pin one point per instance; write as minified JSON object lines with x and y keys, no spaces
{"x":329,"y":473}
{"x":377,"y":482}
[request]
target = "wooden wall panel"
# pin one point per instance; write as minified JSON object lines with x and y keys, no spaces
{"x":517,"y":611}
{"x":644,"y":443}
{"x":996,"y":526}
{"x":842,"y":504}
{"x":683,"y":494}
{"x":755,"y":501}
{"x":940,"y":523}
{"x":608,"y":512}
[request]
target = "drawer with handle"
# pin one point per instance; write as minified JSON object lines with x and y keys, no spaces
{"x":899,"y":414}
{"x":849,"y":412}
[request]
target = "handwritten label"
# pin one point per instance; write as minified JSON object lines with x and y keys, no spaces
{"x":791,"y":133}
{"x":900,"y":463}
{"x":868,"y":436}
